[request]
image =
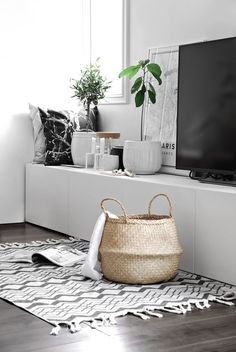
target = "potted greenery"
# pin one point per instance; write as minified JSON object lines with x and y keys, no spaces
{"x":89,"y":89}
{"x":142,"y":85}
{"x":143,"y":157}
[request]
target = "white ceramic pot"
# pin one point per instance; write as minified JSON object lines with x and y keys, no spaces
{"x":142,"y":157}
{"x":80,"y":145}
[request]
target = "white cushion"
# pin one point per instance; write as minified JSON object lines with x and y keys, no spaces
{"x":39,"y":138}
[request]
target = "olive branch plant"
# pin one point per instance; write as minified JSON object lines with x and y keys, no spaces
{"x":142,"y":84}
{"x":90,"y":87}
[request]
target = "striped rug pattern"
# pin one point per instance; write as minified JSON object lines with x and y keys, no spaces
{"x":61,"y":295}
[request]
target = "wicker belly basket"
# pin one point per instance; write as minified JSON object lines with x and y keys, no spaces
{"x":140,"y":249}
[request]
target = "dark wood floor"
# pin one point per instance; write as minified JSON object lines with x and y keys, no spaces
{"x":210,"y":330}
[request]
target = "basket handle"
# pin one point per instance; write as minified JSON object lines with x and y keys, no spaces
{"x":160,"y":195}
{"x":118,"y":202}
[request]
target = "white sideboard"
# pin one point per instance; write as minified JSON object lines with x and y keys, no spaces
{"x":67,"y":199}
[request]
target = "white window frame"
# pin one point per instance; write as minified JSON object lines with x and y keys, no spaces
{"x":87,"y":48}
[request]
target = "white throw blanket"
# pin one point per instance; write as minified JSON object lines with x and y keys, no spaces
{"x":92,"y":266}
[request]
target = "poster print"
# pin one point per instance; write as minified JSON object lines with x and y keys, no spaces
{"x":160,"y":118}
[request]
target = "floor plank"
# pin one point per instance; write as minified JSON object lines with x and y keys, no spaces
{"x":208,"y":330}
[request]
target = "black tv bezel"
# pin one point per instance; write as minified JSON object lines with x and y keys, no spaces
{"x":197,"y":169}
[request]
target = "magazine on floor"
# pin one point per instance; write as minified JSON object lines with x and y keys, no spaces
{"x":61,"y":255}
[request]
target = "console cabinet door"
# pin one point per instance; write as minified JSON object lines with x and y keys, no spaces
{"x":215,"y":242}
{"x":86,"y":192}
{"x":46,"y":197}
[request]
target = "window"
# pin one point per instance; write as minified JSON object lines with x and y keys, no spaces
{"x":105,"y":29}
{"x":44,"y":49}
{"x":48,"y":48}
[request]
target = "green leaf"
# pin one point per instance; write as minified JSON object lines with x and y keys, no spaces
{"x":155,"y":71}
{"x":136,"y":85}
{"x":152,"y":88}
{"x":143,"y":89}
{"x":159,"y":80}
{"x":134,"y":71}
{"x":143,"y":63}
{"x":130,"y":71}
{"x":139,"y":98}
{"x":152,"y":96}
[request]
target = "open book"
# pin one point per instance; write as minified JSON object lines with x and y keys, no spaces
{"x":62,"y":255}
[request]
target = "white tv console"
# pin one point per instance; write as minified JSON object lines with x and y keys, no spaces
{"x":67,"y":200}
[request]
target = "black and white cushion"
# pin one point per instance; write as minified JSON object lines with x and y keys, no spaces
{"x":58,"y":129}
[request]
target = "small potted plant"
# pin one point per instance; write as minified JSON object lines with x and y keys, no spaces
{"x":142,"y":85}
{"x":143,"y":157}
{"x":89,"y":89}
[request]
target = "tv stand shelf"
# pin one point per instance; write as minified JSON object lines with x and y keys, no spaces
{"x":223,"y":182}
{"x":67,"y":200}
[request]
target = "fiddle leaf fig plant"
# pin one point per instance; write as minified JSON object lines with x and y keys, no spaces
{"x":142,"y":84}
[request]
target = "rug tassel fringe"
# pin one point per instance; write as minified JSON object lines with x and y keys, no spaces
{"x":141,"y":315}
{"x":199,"y":305}
{"x":175,"y":310}
{"x":154,"y":314}
{"x":112,"y":320}
{"x":74,"y":327}
{"x":94,"y":324}
{"x":106,"y":322}
{"x":77,"y":326}
{"x":206,"y":303}
{"x":227,"y":303}
{"x":181,"y":308}
{"x":55,"y":330}
{"x":189,"y":307}
{"x":184,"y":307}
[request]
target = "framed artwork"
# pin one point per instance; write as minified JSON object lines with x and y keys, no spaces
{"x":160,"y":118}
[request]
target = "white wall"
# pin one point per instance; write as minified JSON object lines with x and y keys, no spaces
{"x":156,"y":23}
{"x":40,"y":52}
{"x":29,"y":66}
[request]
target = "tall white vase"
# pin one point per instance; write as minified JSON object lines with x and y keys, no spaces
{"x":80,"y":145}
{"x":142,"y":157}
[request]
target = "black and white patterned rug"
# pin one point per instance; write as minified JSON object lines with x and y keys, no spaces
{"x":61,"y":295}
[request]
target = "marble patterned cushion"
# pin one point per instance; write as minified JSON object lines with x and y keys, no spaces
{"x":58,"y":129}
{"x":41,"y":142}
{"x":39,"y":137}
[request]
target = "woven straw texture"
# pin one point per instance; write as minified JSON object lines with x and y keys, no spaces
{"x":140,"y":249}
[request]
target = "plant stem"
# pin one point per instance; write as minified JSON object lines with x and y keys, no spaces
{"x":142,"y":112}
{"x":142,"y":122}
{"x":88,"y":115}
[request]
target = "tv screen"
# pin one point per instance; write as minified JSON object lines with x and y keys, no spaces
{"x":206,"y":112}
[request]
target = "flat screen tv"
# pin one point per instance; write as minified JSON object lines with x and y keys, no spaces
{"x":206,"y":109}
